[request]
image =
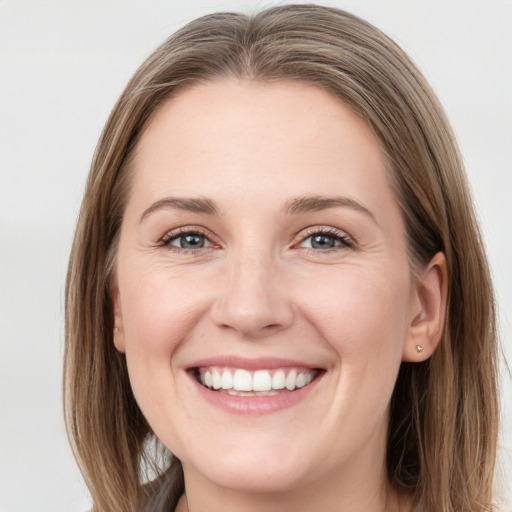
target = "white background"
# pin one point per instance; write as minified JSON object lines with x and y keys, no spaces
{"x":63,"y":65}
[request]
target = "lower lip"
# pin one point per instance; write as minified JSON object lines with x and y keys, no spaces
{"x":256,"y":404}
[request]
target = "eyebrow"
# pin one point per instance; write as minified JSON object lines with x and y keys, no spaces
{"x":295,"y":206}
{"x":197,"y":205}
{"x":317,"y":203}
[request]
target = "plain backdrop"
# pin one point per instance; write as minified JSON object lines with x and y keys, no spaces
{"x":64,"y":63}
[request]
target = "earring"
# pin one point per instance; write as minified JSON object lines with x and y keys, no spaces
{"x":419,"y":348}
{"x":116,"y":328}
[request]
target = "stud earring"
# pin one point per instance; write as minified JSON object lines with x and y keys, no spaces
{"x":419,"y":348}
{"x":116,"y":328}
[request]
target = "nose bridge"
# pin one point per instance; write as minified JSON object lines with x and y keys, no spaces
{"x":253,"y":300}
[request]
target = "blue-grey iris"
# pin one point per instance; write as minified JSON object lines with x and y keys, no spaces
{"x":322,"y":242}
{"x":192,"y":241}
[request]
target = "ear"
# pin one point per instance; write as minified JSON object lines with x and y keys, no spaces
{"x":118,"y":320}
{"x":428,"y":311}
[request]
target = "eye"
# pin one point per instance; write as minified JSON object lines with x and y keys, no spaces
{"x":186,"y":240}
{"x":326,"y":239}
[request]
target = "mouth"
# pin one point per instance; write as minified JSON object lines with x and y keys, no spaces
{"x":242,"y":382}
{"x":254,"y":386}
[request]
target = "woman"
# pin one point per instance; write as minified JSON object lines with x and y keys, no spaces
{"x":277,"y":274}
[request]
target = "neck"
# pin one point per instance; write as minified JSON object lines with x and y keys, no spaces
{"x":387,"y":500}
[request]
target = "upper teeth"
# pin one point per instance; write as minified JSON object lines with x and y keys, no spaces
{"x":260,"y":380}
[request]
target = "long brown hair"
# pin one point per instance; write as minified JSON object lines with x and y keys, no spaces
{"x":444,"y":412}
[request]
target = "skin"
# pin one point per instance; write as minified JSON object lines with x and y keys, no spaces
{"x":260,"y":289}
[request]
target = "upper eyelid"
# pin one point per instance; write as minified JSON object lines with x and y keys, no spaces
{"x":329,"y":230}
{"x":184,"y":230}
{"x":346,"y":240}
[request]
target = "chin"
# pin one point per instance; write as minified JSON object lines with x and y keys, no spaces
{"x":259,"y":476}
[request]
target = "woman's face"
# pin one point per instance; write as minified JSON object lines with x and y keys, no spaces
{"x":263,"y":294}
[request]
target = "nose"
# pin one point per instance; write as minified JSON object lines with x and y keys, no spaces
{"x":253,"y":300}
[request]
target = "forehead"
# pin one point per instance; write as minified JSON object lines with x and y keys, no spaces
{"x":261,"y":140}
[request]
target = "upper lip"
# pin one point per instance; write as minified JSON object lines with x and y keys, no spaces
{"x":248,"y":363}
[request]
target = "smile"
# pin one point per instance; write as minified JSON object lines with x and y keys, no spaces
{"x":253,"y":386}
{"x":243,"y":382}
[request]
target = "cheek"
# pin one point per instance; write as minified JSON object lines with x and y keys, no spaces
{"x":159,"y":314}
{"x":159,"y":311}
{"x":358,"y":309}
{"x":363,"y":318}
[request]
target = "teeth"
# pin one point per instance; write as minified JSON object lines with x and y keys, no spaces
{"x":216,"y":379}
{"x":227,"y":380}
{"x":291,"y":380}
{"x":278,"y":380}
{"x":243,"y":382}
{"x":262,"y":381}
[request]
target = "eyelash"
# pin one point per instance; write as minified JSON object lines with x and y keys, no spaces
{"x":346,"y":241}
{"x":192,"y":230}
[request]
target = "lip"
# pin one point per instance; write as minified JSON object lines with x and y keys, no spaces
{"x":246,"y":363}
{"x":253,"y":405}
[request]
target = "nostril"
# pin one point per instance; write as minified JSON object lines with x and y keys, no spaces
{"x":251,"y":304}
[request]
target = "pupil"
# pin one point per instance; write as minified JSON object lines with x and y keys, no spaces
{"x":191,"y":241}
{"x":322,"y":242}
